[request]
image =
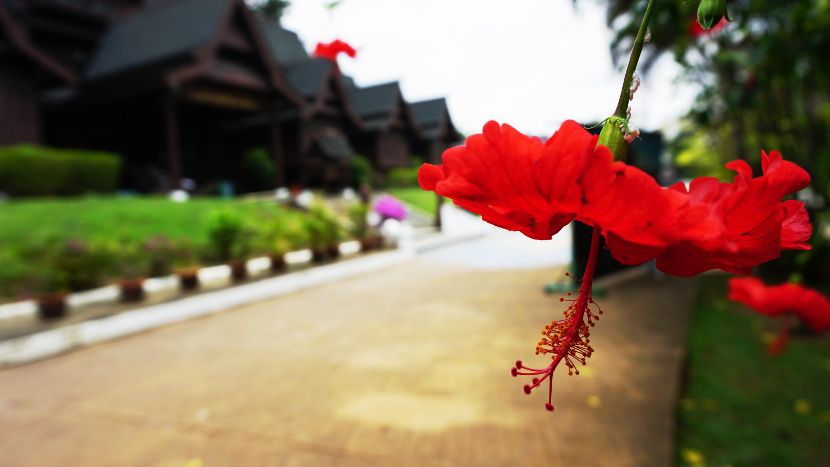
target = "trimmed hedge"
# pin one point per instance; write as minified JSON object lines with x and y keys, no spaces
{"x":28,"y":170}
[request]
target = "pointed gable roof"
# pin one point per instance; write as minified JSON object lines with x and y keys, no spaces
{"x":309,"y":76}
{"x":284,"y":45}
{"x":381,"y":105}
{"x":433,"y":117}
{"x":157,"y":32}
{"x":186,"y":36}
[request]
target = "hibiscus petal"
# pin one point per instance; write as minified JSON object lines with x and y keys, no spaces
{"x":796,"y":228}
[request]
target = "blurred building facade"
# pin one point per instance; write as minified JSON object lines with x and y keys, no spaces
{"x":183,"y":88}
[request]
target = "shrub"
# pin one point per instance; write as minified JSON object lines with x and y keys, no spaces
{"x":81,"y":265}
{"x":160,"y":254}
{"x":358,"y":222}
{"x":27,"y":170}
{"x":131,"y":261}
{"x":323,"y":226}
{"x":402,"y":177}
{"x":258,"y":172}
{"x":230,"y":236}
{"x":361,"y":170}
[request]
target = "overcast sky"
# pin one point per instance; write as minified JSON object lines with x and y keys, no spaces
{"x":530,"y":63}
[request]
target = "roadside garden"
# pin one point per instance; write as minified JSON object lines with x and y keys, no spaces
{"x":49,"y":247}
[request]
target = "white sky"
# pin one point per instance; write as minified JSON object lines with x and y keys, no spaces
{"x":530,"y":63}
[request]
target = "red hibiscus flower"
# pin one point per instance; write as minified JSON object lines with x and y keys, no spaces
{"x":736,"y":226}
{"x":334,"y":48}
{"x":808,"y":305}
{"x":519,"y":183}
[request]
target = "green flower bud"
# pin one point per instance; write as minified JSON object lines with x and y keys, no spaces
{"x":612,"y":137}
{"x":710,"y":12}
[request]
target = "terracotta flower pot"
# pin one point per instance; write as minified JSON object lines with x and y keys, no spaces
{"x":333,"y":251}
{"x":188,"y":279}
{"x":132,"y":290}
{"x":318,"y":255}
{"x":372,"y":242}
{"x":239,"y":270}
{"x":278,"y":263}
{"x":51,"y":305}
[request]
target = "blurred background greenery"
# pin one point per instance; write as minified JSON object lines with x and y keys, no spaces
{"x":763,"y":85}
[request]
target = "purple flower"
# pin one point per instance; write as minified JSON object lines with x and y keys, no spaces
{"x":390,"y":208}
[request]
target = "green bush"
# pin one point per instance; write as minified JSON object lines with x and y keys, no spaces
{"x":27,"y":170}
{"x":402,"y":177}
{"x":258,"y":172}
{"x":359,"y":224}
{"x":361,"y":170}
{"x":230,"y":235}
{"x":323,"y":226}
{"x":74,"y":264}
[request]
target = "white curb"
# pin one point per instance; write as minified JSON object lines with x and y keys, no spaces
{"x":48,"y":343}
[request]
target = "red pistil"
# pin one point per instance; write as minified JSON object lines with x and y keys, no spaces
{"x":567,"y":339}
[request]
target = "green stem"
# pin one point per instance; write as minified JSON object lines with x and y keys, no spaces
{"x":622,"y":104}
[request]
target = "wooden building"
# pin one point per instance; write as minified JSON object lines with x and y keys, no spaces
{"x":437,"y":130}
{"x":391,"y":134}
{"x":184,"y":88}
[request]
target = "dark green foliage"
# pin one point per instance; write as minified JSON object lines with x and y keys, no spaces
{"x":258,"y":173}
{"x":27,"y":170}
{"x":359,"y":225}
{"x":230,"y":235}
{"x":161,"y":253}
{"x":763,"y":86}
{"x":743,"y":407}
{"x":361,"y":171}
{"x":323,"y":226}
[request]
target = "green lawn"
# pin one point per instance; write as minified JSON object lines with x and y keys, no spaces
{"x":424,"y":200}
{"x":742,"y":407}
{"x":36,"y":221}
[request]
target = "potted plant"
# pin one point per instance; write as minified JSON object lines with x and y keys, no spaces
{"x":360,"y":229}
{"x":50,"y":292}
{"x":329,"y":229}
{"x":83,"y":265}
{"x":132,"y":265}
{"x":289,"y":234}
{"x":231,"y":240}
{"x":316,"y":238}
{"x":186,"y":267}
{"x":279,"y":247}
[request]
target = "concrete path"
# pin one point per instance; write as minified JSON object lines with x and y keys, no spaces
{"x":408,"y":366}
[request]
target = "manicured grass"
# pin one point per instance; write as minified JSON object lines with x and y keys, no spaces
{"x":424,"y":200}
{"x":742,"y":407}
{"x":36,"y":221}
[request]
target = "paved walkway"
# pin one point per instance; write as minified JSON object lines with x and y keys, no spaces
{"x":405,"y":367}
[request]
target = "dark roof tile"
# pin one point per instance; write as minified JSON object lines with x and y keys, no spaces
{"x":285,"y":45}
{"x":155,"y":33}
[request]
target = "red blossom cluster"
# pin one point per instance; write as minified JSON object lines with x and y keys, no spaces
{"x":334,"y":48}
{"x":519,"y":183}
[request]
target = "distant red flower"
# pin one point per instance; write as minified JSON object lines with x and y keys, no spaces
{"x":736,"y":226}
{"x":334,"y":48}
{"x":518,"y":183}
{"x":810,"y":306}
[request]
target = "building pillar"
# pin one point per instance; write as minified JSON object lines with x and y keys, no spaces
{"x":174,"y":161}
{"x":277,"y":152}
